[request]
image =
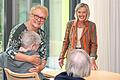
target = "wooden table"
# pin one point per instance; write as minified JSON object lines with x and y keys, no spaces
{"x":51,"y":73}
{"x":103,"y":75}
{"x":95,"y":75}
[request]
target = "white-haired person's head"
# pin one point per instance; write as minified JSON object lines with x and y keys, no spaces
{"x":30,"y":39}
{"x":78,"y":63}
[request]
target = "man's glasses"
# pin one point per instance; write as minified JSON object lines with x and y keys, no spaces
{"x":38,"y":18}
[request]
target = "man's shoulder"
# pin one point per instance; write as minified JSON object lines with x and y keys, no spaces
{"x":30,"y":52}
{"x":61,"y":76}
{"x":64,"y":76}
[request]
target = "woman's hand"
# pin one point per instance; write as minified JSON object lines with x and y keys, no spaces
{"x":36,"y":69}
{"x":35,"y":59}
{"x":61,"y":62}
{"x":39,"y":67}
{"x":93,"y":65}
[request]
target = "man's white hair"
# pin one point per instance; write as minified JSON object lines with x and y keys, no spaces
{"x":30,"y":37}
{"x":78,"y":63}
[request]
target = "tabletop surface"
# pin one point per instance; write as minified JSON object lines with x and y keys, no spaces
{"x":103,"y":75}
{"x":95,"y":75}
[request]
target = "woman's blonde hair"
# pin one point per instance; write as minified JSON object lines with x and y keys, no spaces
{"x":79,"y":6}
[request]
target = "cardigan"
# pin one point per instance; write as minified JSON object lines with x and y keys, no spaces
{"x":88,"y":38}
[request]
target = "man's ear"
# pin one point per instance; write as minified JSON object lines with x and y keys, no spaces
{"x":32,"y":46}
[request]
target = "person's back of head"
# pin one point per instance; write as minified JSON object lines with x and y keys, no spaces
{"x":77,"y":66}
{"x":28,"y":38}
{"x":78,"y":63}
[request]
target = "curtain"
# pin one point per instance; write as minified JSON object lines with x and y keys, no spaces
{"x":114,"y":21}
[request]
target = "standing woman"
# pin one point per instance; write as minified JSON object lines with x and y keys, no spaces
{"x":80,"y":34}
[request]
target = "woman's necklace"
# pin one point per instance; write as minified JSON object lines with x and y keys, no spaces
{"x":80,"y":24}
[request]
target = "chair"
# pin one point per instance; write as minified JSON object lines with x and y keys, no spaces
{"x":20,"y":76}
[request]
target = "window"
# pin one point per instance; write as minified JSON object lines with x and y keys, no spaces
{"x":59,"y":16}
{"x":1,"y":24}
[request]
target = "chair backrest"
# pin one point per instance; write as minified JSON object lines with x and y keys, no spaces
{"x":20,"y":76}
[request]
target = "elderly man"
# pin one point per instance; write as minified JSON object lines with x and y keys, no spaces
{"x":77,"y":67}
